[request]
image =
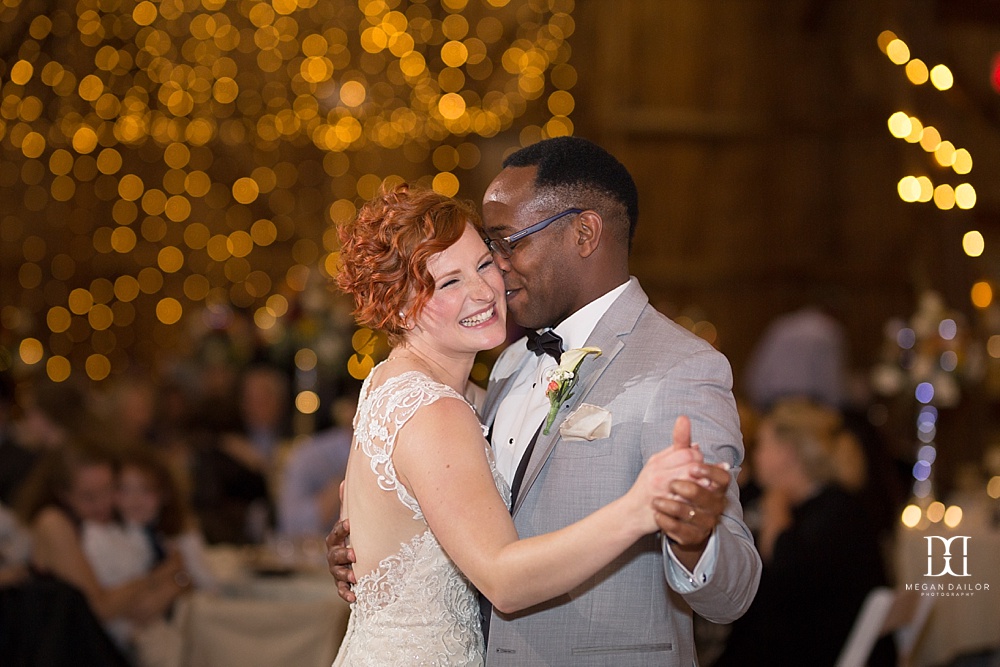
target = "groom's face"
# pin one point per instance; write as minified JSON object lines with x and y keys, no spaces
{"x":539,"y":282}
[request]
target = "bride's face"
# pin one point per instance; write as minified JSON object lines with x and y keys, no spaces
{"x":467,"y":312}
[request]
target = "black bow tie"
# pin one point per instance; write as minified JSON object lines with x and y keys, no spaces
{"x":547,"y":342}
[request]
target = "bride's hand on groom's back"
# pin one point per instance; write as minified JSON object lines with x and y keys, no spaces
{"x":339,"y":558}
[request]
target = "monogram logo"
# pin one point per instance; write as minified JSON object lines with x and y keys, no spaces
{"x":947,"y":556}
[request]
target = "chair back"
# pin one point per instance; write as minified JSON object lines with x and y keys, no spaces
{"x":886,"y":610}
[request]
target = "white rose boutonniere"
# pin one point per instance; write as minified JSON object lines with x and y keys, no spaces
{"x":562,"y":379}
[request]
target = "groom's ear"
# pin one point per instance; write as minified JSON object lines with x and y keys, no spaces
{"x":588,"y":227}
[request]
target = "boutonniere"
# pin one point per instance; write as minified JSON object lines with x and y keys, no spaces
{"x":562,"y":379}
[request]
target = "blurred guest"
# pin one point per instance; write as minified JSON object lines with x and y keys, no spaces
{"x":309,"y":497}
{"x":309,"y":494}
{"x":15,"y":549}
{"x":133,"y":401}
{"x":821,"y":557}
{"x":234,"y":465}
{"x":804,"y":354}
{"x":800,"y":354}
{"x":264,"y":399}
{"x":50,"y":413}
{"x":72,"y":486}
{"x":150,"y":502}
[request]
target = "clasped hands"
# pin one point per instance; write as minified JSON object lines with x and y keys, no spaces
{"x":687,"y":514}
{"x":696,"y":497}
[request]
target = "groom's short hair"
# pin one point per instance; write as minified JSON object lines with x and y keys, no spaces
{"x":582,"y":170}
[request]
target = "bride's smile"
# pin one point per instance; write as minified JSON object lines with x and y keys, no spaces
{"x":467,"y":312}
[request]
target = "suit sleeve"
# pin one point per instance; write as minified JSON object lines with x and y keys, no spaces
{"x":699,"y":385}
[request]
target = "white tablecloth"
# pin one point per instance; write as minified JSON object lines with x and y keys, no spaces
{"x":294,"y":619}
{"x":962,"y":621}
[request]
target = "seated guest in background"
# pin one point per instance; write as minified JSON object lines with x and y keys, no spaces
{"x":264,"y":400}
{"x":149,"y":501}
{"x":68,"y":488}
{"x":821,"y":556}
{"x":309,"y":492}
{"x":236,"y":463}
{"x":15,"y":549}
{"x":804,"y":354}
{"x":50,"y":412}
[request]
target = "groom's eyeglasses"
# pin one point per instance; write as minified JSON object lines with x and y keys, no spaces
{"x":505,"y":246}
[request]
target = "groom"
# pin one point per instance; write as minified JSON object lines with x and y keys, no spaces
{"x":560,"y":219}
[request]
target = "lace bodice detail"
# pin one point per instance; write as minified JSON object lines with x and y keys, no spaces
{"x":383,"y":412}
{"x":416,"y":608}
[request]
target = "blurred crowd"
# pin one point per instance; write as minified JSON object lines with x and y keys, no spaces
{"x":109,"y":495}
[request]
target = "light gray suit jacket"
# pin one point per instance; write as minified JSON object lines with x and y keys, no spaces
{"x":650,"y":372}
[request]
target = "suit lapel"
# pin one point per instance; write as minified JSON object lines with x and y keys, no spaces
{"x":609,"y":335}
{"x":499,"y":386}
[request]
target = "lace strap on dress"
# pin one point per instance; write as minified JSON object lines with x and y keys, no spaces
{"x":382,"y":412}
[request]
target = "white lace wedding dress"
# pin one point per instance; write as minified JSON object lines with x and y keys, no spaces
{"x":416,"y":608}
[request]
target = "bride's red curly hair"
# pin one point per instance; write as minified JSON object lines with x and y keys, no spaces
{"x":384,"y":253}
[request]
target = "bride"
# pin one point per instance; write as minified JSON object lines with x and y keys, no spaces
{"x":429,"y":513}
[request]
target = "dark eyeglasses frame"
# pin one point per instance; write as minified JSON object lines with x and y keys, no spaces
{"x":505,"y":246}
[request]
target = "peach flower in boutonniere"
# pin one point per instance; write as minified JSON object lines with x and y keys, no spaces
{"x":562,"y":379}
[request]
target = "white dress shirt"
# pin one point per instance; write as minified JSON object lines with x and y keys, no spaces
{"x":524,"y":407}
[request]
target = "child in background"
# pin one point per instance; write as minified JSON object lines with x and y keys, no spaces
{"x":150,"y":502}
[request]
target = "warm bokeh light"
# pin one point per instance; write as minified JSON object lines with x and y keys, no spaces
{"x":916,"y":72}
{"x":31,"y":351}
{"x":307,"y":402}
{"x":982,"y":294}
{"x":935,"y":511}
{"x":884,"y":39}
{"x":953,"y":516}
{"x":193,"y":155}
{"x":944,"y":197}
{"x":941,"y":77}
{"x":169,"y":310}
{"x":359,"y":366}
{"x":305,"y":359}
{"x":911,"y":516}
{"x":993,"y":487}
{"x":945,"y":154}
{"x":930,"y":139}
{"x":963,"y":161}
{"x":973,"y":243}
{"x":926,"y":189}
{"x":965,"y":196}
{"x":909,"y":189}
{"x":898,"y":51}
{"x":58,"y":368}
{"x":900,"y":125}
{"x":98,"y":367}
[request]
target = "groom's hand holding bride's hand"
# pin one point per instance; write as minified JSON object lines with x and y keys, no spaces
{"x":689,"y":514}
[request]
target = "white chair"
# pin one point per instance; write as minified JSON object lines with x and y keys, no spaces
{"x":886,"y":610}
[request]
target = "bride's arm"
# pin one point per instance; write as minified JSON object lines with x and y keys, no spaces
{"x":440,"y":456}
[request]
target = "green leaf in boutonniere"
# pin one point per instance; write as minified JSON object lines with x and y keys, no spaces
{"x":562,"y":379}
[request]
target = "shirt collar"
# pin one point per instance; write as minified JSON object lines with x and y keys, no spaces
{"x":576,"y":329}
